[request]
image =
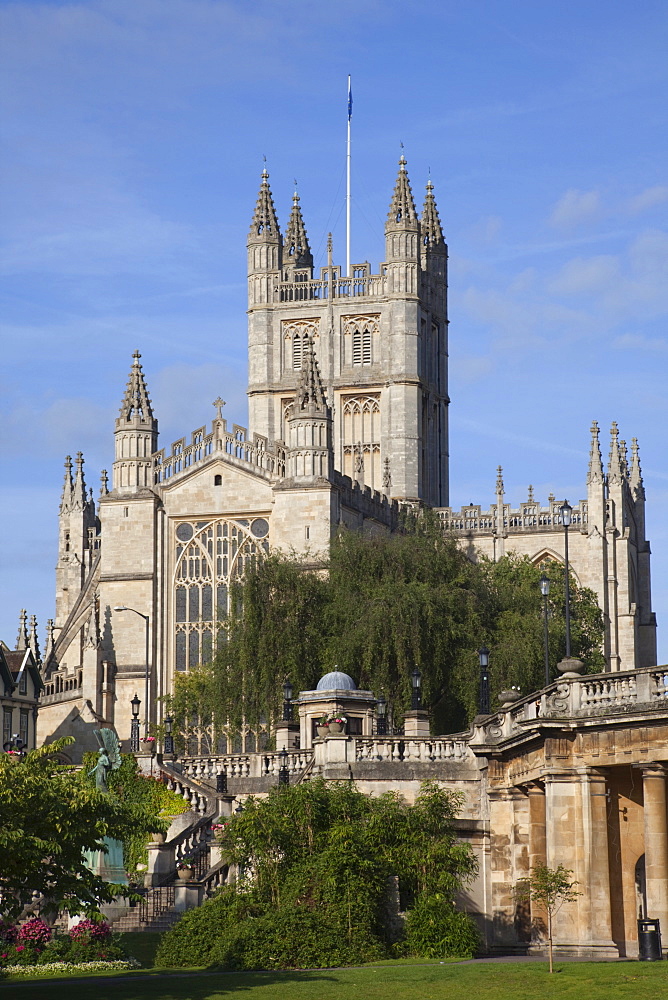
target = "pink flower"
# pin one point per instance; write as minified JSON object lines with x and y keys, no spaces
{"x":20,"y":947}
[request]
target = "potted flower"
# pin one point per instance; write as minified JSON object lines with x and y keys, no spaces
{"x":150,"y":744}
{"x":337,"y":723}
{"x":322,"y":725}
{"x":184,"y":867}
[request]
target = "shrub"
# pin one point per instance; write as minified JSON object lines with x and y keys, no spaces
{"x":34,"y":932}
{"x":91,"y":930}
{"x":296,"y":937}
{"x":194,"y":939}
{"x":8,"y":932}
{"x":435,"y":929}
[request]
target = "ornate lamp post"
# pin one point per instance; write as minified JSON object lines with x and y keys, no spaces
{"x":416,"y":696}
{"x":134,"y":725}
{"x":283,"y":772}
{"x":483,"y":658}
{"x":545,"y":591}
{"x":147,"y":622}
{"x":287,"y":701}
{"x":169,"y":739}
{"x":566,"y":513}
{"x":221,"y":781}
{"x":381,"y":721}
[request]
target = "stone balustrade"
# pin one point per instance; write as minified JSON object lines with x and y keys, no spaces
{"x":587,"y":696}
{"x":248,"y":765}
{"x":398,"y":749}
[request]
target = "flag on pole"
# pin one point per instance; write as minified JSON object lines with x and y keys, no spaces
{"x":350,"y":100}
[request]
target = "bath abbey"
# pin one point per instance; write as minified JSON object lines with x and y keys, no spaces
{"x":348,"y":426}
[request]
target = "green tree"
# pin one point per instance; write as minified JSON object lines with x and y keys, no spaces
{"x":551,"y":888}
{"x":50,"y":815}
{"x":316,"y":860}
{"x":385,"y":604}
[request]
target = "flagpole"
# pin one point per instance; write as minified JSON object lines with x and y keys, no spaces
{"x":350,"y":114}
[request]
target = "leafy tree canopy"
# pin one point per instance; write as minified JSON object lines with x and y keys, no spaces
{"x":316,"y":862}
{"x":50,"y":815}
{"x":386,"y":604}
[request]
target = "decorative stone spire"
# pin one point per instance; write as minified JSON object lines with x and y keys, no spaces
{"x":310,"y":454}
{"x":499,"y":481}
{"x":296,"y":249}
{"x":623,"y":454}
{"x":387,"y":476}
{"x":264,"y":224}
{"x":32,"y":638}
{"x":402,"y":214}
{"x":66,"y":496}
{"x":104,"y":483}
{"x":135,"y":435}
{"x":615,"y":468}
{"x":136,"y":404}
{"x":310,"y":396}
{"x":595,"y":473}
{"x":635,"y":478}
{"x":22,"y":639}
{"x":430,"y":224}
{"x":79,"y":495}
{"x":50,"y":639}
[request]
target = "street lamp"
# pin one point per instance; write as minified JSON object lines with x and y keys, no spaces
{"x":381,"y":722}
{"x":416,"y":696}
{"x":134,"y":725}
{"x":169,"y":739}
{"x":287,"y":701}
{"x":483,"y":658}
{"x":283,"y":772}
{"x":545,"y":591}
{"x":566,"y":512}
{"x":147,"y":621}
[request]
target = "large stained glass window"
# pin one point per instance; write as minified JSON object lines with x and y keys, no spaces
{"x":209,"y":556}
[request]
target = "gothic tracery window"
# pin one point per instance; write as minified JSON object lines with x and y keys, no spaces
{"x":361,"y":438}
{"x":208,"y":557}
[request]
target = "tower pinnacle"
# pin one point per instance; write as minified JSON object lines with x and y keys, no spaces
{"x":136,"y":405}
{"x":66,"y":495}
{"x":296,"y":249}
{"x":310,"y":396}
{"x":615,"y":468}
{"x":432,"y":232}
{"x":402,"y":214}
{"x":635,"y":480}
{"x":595,"y":473}
{"x":264,"y":223}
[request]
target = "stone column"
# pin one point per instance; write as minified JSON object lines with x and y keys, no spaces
{"x":577,"y":838}
{"x":656,"y":844}
{"x":537,"y":854}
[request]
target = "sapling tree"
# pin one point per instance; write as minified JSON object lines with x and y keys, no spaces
{"x":551,"y":888}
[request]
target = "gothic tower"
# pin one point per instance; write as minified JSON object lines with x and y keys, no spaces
{"x":380,"y":341}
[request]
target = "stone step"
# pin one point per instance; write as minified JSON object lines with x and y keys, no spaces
{"x":131,"y":922}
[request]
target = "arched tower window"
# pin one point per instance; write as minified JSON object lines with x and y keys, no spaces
{"x":361,"y":434}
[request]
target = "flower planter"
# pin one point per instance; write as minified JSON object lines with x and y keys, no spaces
{"x":185,"y":874}
{"x":158,"y":838}
{"x":323,"y":730}
{"x":336,"y":727}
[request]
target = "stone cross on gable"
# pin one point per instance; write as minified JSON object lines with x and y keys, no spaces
{"x":219,"y":404}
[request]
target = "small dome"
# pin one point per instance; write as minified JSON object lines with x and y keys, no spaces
{"x":336,"y":680}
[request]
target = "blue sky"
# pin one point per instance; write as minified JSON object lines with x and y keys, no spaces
{"x":134,"y":135}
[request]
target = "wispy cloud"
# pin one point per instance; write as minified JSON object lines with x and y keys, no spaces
{"x":649,"y":198}
{"x":574,"y":208}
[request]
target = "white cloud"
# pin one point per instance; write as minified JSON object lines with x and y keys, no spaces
{"x":649,"y":198}
{"x":639,"y":342}
{"x":585,"y":276}
{"x":575,"y":207}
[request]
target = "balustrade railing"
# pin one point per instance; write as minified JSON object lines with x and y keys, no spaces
{"x":398,"y":749}
{"x":319,"y":288}
{"x":248,"y":765}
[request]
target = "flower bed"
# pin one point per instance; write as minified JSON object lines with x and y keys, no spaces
{"x":48,"y":968}
{"x":32,"y":946}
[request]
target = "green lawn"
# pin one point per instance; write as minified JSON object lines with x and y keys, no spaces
{"x":393,"y":981}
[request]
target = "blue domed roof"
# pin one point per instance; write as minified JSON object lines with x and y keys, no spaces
{"x":336,"y":680}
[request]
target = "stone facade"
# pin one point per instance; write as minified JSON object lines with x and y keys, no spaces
{"x":349,"y":416}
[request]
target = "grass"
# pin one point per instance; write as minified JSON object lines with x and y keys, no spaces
{"x":401,"y":981}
